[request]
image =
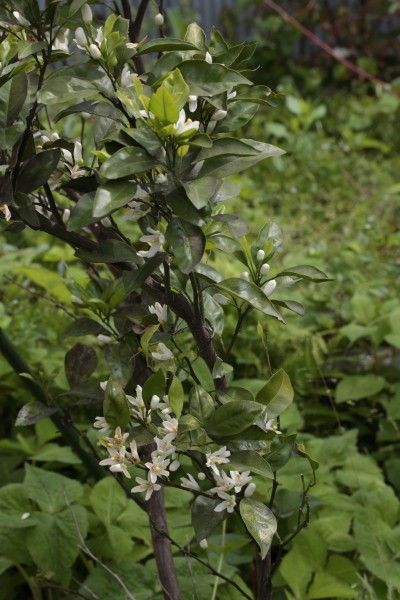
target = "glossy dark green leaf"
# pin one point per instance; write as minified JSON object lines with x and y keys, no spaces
{"x":33,"y":412}
{"x":17,"y":96}
{"x":186,"y":243}
{"x":233,"y":417}
{"x":97,"y":109}
{"x":154,"y":386}
{"x":126,"y":162}
{"x":115,"y":406}
{"x":111,"y":196}
{"x":85,"y":326}
{"x":277,"y":394}
{"x":260,"y":522}
{"x":209,"y":80}
{"x":203,"y":373}
{"x":36,"y":170}
{"x":305,"y":272}
{"x":204,"y":517}
{"x":291,"y":305}
{"x":135,"y":280}
{"x":196,"y":36}
{"x":164,"y":45}
{"x":82,"y":213}
{"x":250,"y":461}
{"x":281,"y":450}
{"x":111,"y":251}
{"x":200,"y":191}
{"x":248,"y":291}
{"x":201,"y":404}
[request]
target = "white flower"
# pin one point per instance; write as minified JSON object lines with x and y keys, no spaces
{"x":183,"y":125}
{"x":131,"y":45}
{"x":99,"y":36}
{"x":208,"y":58}
{"x":190,"y":483}
{"x":231,"y":95}
{"x":25,"y":515}
{"x":170,"y":425}
{"x":138,"y":407}
{"x":87,"y":15}
{"x":162,"y":352}
{"x":192,"y":102}
{"x":245,"y":275}
{"x":155,"y":239}
{"x":101,"y":424}
{"x":164,"y":446}
{"x":80,"y":38}
{"x":94,"y":51}
{"x":133,"y":455}
{"x":239,"y":480}
{"x":103,"y":385}
{"x":269,"y":425}
{"x":157,"y":468}
{"x":161,"y":178}
{"x":250,"y":489}
{"x":219,"y":114}
{"x":66,"y":215}
{"x":224,"y":484}
{"x":219,"y":457}
{"x":269,"y":287}
{"x":104,"y":339}
{"x":145,"y":486}
{"x":203,"y":544}
{"x":160,"y":310}
{"x":61,"y":41}
{"x":228,"y":503}
{"x":159,"y":20}
{"x":126,"y":77}
{"x":116,"y":461}
{"x":21,"y":20}
{"x":6,"y":211}
{"x":260,"y":255}
{"x":118,"y":440}
{"x":265,"y":269}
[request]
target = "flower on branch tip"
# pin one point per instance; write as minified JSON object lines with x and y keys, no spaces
{"x":219,"y":457}
{"x":239,"y":480}
{"x":118,"y":440}
{"x":160,"y":310}
{"x":94,"y":51}
{"x":224,"y":483}
{"x":61,"y":41}
{"x":155,"y":239}
{"x":164,"y":446}
{"x":228,"y":503}
{"x":269,"y":287}
{"x":116,"y":461}
{"x":138,"y":407}
{"x":158,"y":467}
{"x":231,"y":95}
{"x":145,"y":485}
{"x":184,"y":125}
{"x":190,"y":483}
{"x":87,"y":15}
{"x":170,"y":425}
{"x":101,"y":424}
{"x":133,"y":455}
{"x":162,"y":352}
{"x":80,"y":38}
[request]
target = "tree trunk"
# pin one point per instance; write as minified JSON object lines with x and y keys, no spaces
{"x":263,"y":577}
{"x":162,"y":546}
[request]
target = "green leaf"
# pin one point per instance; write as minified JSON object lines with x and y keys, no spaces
{"x":51,"y":491}
{"x":108,"y":500}
{"x":133,"y":281}
{"x":111,"y":197}
{"x":36,"y":170}
{"x":115,"y":406}
{"x":56,"y":453}
{"x":54,"y":542}
{"x":200,"y":191}
{"x":277,"y":394}
{"x":355,"y":387}
{"x":186,"y":242}
{"x":177,"y":87}
{"x":210,"y":80}
{"x":325,"y":585}
{"x":85,"y":326}
{"x":164,"y":45}
{"x":14,"y":502}
{"x":17,"y":97}
{"x":196,"y":36}
{"x":281,"y":450}
{"x":203,"y":373}
{"x":223,"y":165}
{"x":248,"y":291}
{"x":305,"y":272}
{"x":201,"y":404}
{"x":154,"y":385}
{"x":162,"y":104}
{"x":176,"y":396}
{"x":251,"y":461}
{"x":79,"y":363}
{"x":204,"y":517}
{"x":260,"y":522}
{"x":110,"y":251}
{"x":233,"y":417}
{"x":82,"y":213}
{"x":33,"y":412}
{"x":127,"y":162}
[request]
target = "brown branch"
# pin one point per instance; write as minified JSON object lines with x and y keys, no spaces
{"x":360,"y":72}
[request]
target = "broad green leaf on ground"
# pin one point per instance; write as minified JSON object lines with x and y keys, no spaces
{"x":51,"y":491}
{"x":356,"y":387}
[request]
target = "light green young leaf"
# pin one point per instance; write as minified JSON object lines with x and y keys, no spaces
{"x":176,"y":396}
{"x":163,"y":105}
{"x":277,"y":394}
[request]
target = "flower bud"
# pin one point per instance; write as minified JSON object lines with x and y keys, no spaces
{"x":219,"y":115}
{"x":265,"y":269}
{"x":192,"y":102}
{"x":94,"y":51}
{"x":203,"y":544}
{"x":201,"y":476}
{"x":80,"y":37}
{"x":245,"y":275}
{"x":250,"y":489}
{"x":66,"y":215}
{"x":260,"y":255}
{"x":154,"y":402}
{"x":269,"y":287}
{"x":87,"y":15}
{"x":159,"y":20}
{"x":208,"y":58}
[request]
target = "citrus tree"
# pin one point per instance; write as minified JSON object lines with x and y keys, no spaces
{"x":122,"y":146}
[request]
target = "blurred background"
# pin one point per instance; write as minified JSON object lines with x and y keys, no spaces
{"x":335,"y":197}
